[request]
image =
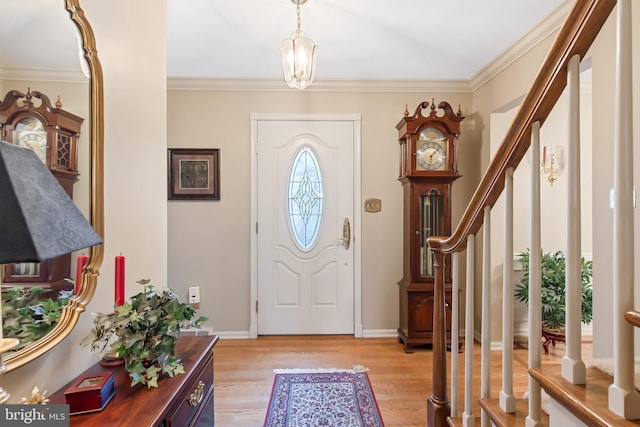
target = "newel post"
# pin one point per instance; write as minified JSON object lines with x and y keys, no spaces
{"x":438,"y":407}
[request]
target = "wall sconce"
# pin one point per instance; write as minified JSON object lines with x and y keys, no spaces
{"x":555,"y":165}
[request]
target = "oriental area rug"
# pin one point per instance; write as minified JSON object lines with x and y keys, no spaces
{"x":327,"y":398}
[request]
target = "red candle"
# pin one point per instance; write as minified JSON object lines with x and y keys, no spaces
{"x":544,"y":154}
{"x":119,"y":287}
{"x":81,"y":262}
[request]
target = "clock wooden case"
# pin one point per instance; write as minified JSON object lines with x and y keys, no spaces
{"x":53,"y":134}
{"x":428,"y":167}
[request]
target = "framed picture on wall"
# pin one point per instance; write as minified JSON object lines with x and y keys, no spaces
{"x":194,"y":173}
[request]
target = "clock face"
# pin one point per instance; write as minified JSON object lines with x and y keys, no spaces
{"x":431,"y":152}
{"x":30,"y":133}
{"x":431,"y":156}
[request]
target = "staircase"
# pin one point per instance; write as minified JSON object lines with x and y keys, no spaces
{"x":578,"y":395}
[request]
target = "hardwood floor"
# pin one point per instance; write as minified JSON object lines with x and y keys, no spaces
{"x":401,"y":382}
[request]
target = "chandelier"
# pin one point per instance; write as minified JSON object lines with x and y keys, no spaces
{"x":298,"y":56}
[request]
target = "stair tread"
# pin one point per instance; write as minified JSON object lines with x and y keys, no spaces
{"x":588,"y":402}
{"x":457,"y":421}
{"x":504,"y":419}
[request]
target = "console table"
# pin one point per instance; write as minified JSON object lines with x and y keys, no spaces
{"x":171,"y":404}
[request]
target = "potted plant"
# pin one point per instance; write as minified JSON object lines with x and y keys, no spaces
{"x":553,"y":292}
{"x":146,"y":329}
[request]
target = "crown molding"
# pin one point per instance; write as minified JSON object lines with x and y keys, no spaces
{"x":329,"y":85}
{"x":548,"y":26}
{"x":43,"y":75}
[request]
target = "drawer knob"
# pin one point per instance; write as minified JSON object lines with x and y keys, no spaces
{"x":197,"y":395}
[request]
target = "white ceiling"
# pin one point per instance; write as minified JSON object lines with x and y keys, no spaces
{"x":37,"y":34}
{"x":357,"y":39}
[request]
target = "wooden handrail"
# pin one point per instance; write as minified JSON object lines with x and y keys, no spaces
{"x":581,"y":27}
{"x":633,"y":317}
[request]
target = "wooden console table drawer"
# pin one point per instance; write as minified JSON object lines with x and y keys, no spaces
{"x":171,"y":404}
{"x":195,"y":398}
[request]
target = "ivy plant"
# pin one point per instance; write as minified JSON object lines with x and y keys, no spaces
{"x":553,"y":288}
{"x":28,"y":316}
{"x":144,"y":331}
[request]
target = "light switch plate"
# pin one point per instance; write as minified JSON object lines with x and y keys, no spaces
{"x":372,"y":205}
{"x":194,"y":295}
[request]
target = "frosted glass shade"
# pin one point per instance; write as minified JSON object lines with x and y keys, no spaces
{"x":298,"y":60}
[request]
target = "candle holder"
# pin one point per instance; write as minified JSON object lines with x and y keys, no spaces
{"x":111,"y":359}
{"x":5,"y":345}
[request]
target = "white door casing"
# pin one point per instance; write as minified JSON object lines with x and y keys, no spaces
{"x":312,"y":290}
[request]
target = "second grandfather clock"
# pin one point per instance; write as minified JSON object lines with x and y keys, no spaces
{"x":52,"y":133}
{"x":428,"y":167}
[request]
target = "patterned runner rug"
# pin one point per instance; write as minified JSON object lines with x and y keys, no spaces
{"x":328,"y":398}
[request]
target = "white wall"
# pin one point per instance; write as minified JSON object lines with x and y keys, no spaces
{"x":135,"y":173}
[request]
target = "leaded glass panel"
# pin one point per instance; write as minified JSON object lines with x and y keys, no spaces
{"x":305,"y":198}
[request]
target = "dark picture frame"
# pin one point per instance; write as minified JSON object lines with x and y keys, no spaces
{"x":194,"y":173}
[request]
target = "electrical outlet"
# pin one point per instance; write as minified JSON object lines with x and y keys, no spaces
{"x":194,"y":295}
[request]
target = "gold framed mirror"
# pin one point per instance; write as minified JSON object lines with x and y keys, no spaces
{"x":95,"y":121}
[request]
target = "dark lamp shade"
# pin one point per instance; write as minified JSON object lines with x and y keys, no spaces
{"x":38,"y":220}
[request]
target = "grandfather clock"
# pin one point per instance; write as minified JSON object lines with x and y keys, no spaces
{"x":428,"y":167}
{"x":52,"y":133}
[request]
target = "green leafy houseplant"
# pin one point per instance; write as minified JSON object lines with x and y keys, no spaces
{"x":146,"y":330}
{"x":28,"y":316}
{"x":553,"y":289}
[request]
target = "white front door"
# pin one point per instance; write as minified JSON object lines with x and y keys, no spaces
{"x":305,"y":218}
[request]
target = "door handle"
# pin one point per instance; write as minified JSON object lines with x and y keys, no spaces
{"x":346,"y":233}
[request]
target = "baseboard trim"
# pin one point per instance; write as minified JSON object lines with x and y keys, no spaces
{"x":233,"y":335}
{"x":587,"y":332}
{"x":379,"y":333}
{"x":364,"y":333}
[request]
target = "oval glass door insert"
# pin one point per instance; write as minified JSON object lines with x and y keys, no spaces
{"x":306,"y":199}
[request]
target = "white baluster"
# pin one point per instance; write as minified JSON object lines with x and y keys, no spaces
{"x":467,"y":417}
{"x":534,"y":419}
{"x":507,"y":400}
{"x":573,"y":368}
{"x":485,"y":349}
{"x":623,"y":399}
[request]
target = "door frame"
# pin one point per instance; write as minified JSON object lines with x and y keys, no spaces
{"x":356,"y":226}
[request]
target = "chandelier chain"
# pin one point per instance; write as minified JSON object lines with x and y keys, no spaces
{"x":298,"y":12}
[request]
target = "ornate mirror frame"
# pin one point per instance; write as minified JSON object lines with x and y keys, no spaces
{"x":71,"y":312}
